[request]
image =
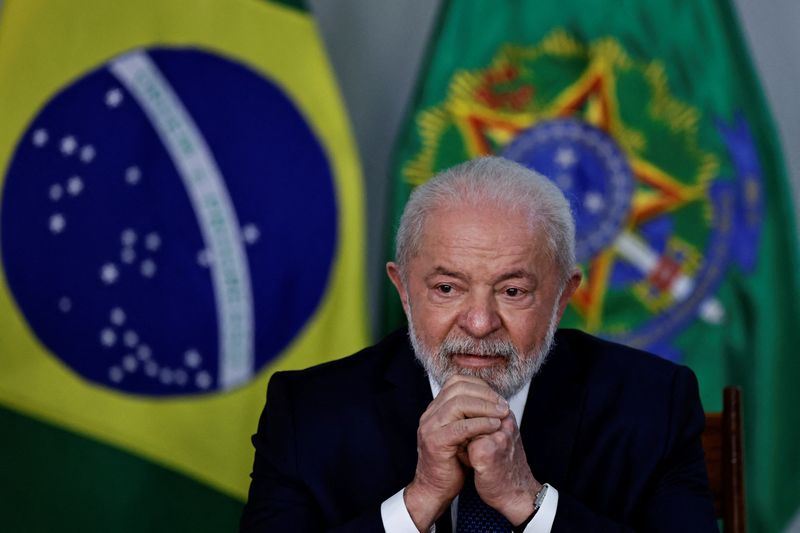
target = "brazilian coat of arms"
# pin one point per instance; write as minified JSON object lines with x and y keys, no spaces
{"x":666,"y":200}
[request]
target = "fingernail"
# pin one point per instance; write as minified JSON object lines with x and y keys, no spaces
{"x":502,"y":405}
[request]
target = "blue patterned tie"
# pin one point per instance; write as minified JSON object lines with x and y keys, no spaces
{"x":474,"y":516}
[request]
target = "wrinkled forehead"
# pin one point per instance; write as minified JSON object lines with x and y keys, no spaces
{"x":486,"y":227}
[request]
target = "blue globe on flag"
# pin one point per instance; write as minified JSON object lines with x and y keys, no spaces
{"x":146,"y":249}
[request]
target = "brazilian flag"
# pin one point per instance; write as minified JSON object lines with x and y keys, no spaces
{"x":649,"y":117}
{"x":180,"y":216}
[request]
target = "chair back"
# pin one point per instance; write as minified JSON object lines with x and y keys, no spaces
{"x":722,"y":443}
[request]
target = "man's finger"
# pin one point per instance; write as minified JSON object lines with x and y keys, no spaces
{"x":460,"y":431}
{"x":478,"y":389}
{"x":462,"y":406}
{"x":509,"y":424}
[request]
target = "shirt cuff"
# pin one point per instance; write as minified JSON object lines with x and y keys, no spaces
{"x":542,"y":521}
{"x":396,"y":518}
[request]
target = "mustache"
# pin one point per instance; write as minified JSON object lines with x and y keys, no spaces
{"x":479,"y":347}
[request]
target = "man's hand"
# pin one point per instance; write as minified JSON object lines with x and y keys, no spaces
{"x":465,"y":408}
{"x":503,"y":478}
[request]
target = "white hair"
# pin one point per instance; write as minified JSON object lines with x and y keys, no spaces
{"x":496,"y":182}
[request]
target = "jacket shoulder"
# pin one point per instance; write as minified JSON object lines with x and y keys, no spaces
{"x":361,"y":370}
{"x":614,"y":362}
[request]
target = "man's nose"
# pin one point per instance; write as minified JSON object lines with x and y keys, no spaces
{"x":480,"y":317}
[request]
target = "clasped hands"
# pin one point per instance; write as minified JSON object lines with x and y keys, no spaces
{"x":468,"y":425}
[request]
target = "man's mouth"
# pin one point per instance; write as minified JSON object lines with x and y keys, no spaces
{"x":468,"y":360}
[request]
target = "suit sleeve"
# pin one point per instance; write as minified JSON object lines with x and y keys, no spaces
{"x":279,"y":499}
{"x":678,"y":498}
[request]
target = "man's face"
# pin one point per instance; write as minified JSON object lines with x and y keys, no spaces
{"x":481,"y":296}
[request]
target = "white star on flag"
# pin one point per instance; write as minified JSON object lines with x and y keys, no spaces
{"x":87,"y":153}
{"x":40,"y":137}
{"x":114,"y":97}
{"x":566,"y":157}
{"x":109,"y":273}
{"x":68,"y":145}
{"x":57,"y":223}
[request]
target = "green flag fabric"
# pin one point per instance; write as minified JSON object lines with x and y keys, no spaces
{"x":180,"y":216}
{"x":649,"y":117}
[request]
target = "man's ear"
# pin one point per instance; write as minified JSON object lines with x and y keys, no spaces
{"x":569,"y":289}
{"x":394,"y":274}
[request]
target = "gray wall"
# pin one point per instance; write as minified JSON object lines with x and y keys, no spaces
{"x":770,"y":29}
{"x":376,"y":48}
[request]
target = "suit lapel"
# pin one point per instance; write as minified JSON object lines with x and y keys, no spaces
{"x":552,"y":414}
{"x":401,"y":400}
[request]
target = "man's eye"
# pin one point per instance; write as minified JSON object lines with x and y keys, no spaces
{"x":445,"y":289}
{"x":513,"y":292}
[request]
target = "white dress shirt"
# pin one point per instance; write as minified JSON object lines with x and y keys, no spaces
{"x":395,"y":515}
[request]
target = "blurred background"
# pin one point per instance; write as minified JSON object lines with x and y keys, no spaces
{"x":194,"y":195}
{"x":377,"y":49}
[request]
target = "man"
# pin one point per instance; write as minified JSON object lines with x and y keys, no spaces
{"x":481,"y":415}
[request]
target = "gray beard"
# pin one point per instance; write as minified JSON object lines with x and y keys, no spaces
{"x":505,"y":379}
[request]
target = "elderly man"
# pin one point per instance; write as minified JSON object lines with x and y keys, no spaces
{"x":482,"y":417}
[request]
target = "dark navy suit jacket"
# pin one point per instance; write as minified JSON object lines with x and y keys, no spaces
{"x":615,"y":430}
